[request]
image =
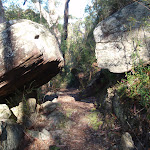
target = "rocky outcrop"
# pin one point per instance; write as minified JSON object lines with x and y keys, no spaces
{"x":48,"y":107}
{"x":10,"y":136}
{"x":123,"y":38}
{"x":26,"y":113}
{"x":29,"y":55}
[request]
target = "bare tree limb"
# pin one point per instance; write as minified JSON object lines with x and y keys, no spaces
{"x":51,"y":19}
{"x":66,"y":15}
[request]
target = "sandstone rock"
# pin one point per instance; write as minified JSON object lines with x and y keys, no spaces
{"x":26,"y":112}
{"x":48,"y":106}
{"x":66,"y":98}
{"x":18,"y":111}
{"x":11,"y":136}
{"x":123,"y":38}
{"x":29,"y":56}
{"x":56,"y":119}
{"x":55,"y":100}
{"x":118,"y":109}
{"x":31,"y":104}
{"x":5,"y":113}
{"x":127,"y":142}
{"x":43,"y":135}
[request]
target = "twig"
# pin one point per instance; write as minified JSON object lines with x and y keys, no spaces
{"x":140,"y":110}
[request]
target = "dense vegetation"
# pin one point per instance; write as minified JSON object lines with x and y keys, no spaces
{"x":79,"y":50}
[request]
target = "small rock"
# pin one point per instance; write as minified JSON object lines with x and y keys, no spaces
{"x":18,"y":111}
{"x":55,"y":100}
{"x":31,"y":102}
{"x":44,"y":135}
{"x":56,"y":119}
{"x":127,"y":142}
{"x":46,"y":104}
{"x":67,"y":98}
{"x":5,"y":113}
{"x":48,"y":107}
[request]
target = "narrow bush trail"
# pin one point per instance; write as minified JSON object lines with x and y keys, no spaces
{"x":73,"y":125}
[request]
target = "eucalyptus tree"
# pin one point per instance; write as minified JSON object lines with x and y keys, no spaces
{"x":66,"y":15}
{"x":52,"y":17}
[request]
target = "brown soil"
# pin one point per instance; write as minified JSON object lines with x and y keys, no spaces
{"x":74,"y":126}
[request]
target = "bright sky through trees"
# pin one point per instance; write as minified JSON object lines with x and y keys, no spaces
{"x":76,"y":7}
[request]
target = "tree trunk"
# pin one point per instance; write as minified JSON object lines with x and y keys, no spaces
{"x":51,"y":17}
{"x":2,"y":16}
{"x":51,"y":7}
{"x":51,"y":20}
{"x":66,"y":15}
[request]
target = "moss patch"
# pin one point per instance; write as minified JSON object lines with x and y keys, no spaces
{"x":94,"y":120}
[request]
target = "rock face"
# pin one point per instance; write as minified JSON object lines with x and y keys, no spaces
{"x":123,"y":38}
{"x":29,"y":54}
{"x":11,"y":136}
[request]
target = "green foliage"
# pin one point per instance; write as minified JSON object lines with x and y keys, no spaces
{"x":137,"y":85}
{"x":79,"y":54}
{"x":20,"y":95}
{"x":14,"y":12}
{"x":80,"y":46}
{"x":94,"y":120}
{"x":54,"y":147}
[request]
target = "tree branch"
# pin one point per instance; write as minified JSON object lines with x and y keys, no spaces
{"x":51,"y":19}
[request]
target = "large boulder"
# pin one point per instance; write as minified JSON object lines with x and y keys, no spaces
{"x":123,"y":38}
{"x":29,"y":55}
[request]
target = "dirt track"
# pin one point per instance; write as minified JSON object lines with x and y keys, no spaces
{"x":74,"y":125}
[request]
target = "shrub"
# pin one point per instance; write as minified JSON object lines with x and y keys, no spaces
{"x":136,"y":86}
